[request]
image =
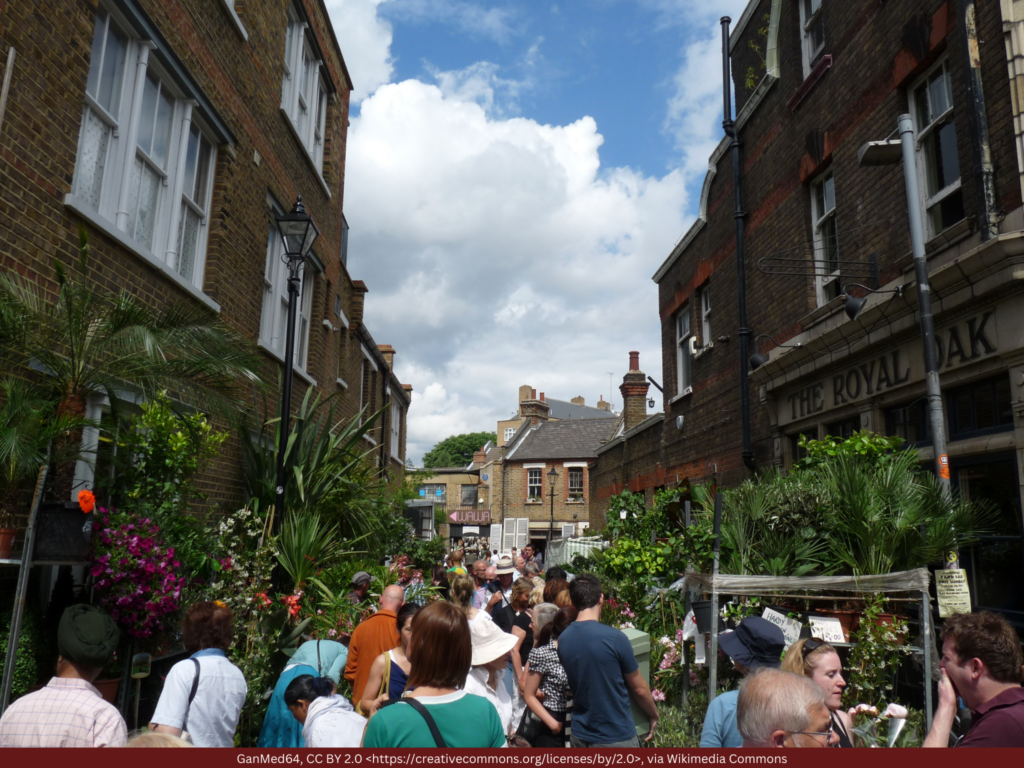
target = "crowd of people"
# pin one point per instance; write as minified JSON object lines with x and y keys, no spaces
{"x":508,"y":658}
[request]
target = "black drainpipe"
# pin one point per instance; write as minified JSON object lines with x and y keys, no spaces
{"x":988,"y":216}
{"x":741,"y":279}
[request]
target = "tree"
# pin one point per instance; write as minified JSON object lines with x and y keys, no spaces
{"x":91,"y":341}
{"x":457,"y":450}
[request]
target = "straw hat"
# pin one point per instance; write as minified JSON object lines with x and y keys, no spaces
{"x":489,"y":642}
{"x":505,"y":566}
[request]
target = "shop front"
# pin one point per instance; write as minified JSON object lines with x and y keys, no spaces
{"x":874,"y":379}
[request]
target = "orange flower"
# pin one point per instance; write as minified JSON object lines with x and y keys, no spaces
{"x":86,"y":501}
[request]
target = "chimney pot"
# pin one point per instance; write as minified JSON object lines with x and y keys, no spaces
{"x":634,"y":361}
{"x":542,"y":397}
{"x":533,"y":394}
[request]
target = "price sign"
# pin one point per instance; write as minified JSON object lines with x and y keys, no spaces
{"x":790,"y":627}
{"x":952,"y":592}
{"x":828,"y":629}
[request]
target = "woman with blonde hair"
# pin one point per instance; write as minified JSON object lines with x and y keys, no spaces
{"x":460,"y":594}
{"x":820,"y":662}
{"x":536,"y":596}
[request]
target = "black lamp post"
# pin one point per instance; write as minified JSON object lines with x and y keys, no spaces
{"x":298,"y":233}
{"x":552,"y":479}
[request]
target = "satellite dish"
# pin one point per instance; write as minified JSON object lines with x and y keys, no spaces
{"x":679,"y":423}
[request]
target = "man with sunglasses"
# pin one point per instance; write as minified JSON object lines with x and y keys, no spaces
{"x":756,"y":643}
{"x":781,"y":709}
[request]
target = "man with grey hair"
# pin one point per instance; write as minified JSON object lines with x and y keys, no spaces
{"x":532,"y":571}
{"x":781,"y":709}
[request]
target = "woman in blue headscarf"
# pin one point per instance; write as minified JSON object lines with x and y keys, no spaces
{"x":319,"y":658}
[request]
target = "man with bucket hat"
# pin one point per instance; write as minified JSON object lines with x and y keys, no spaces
{"x":756,"y":643}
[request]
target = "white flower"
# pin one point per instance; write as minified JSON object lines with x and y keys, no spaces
{"x":895,"y":710}
{"x":853,"y":711}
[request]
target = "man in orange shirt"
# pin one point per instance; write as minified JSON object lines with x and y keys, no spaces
{"x":375,"y":635}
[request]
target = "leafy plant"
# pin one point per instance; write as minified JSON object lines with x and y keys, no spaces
{"x":867,"y":447}
{"x":888,"y":517}
{"x":91,"y":341}
{"x":875,"y":658}
{"x":306,"y":544}
{"x":756,"y":71}
{"x":30,"y":660}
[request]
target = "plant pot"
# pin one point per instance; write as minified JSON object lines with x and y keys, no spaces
{"x":7,"y":542}
{"x":702,"y":615}
{"x":108,"y":688}
{"x":63,"y":533}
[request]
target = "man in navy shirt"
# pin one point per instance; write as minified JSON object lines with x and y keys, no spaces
{"x":602,"y":672}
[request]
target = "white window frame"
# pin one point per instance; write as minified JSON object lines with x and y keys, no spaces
{"x":822,"y":216}
{"x":811,"y":17}
{"x":304,"y":90}
{"x":685,"y":346}
{"x":510,"y":432}
{"x":534,"y":484}
{"x":274,"y":314}
{"x":705,"y":317}
{"x":396,"y":429}
{"x":575,"y":494}
{"x":108,"y":192}
{"x":923,"y":134}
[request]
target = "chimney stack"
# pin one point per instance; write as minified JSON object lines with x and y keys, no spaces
{"x":389,"y":355}
{"x":524,"y":392}
{"x":578,"y":401}
{"x":542,"y":397}
{"x":533,"y":409}
{"x":604,"y":405}
{"x":359,"y":290}
{"x":634,"y":393}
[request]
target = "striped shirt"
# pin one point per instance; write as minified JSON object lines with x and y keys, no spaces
{"x":68,"y":712}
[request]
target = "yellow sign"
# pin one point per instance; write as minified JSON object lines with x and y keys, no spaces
{"x":952,"y":592}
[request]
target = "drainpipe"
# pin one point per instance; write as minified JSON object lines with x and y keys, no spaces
{"x":977,"y":120}
{"x":741,"y":278}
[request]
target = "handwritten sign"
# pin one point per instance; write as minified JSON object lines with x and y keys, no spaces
{"x":952,"y":592}
{"x":790,"y":628}
{"x":828,"y":629}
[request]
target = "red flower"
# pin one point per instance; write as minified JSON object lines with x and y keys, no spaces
{"x":86,"y":501}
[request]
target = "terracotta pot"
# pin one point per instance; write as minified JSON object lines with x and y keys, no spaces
{"x":108,"y":688}
{"x":7,"y":542}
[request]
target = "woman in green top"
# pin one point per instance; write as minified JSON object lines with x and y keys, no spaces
{"x":457,"y":566}
{"x":441,"y":653}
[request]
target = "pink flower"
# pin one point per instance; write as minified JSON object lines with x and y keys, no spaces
{"x":657,"y":695}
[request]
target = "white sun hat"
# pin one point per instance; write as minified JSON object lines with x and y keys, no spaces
{"x":489,"y":642}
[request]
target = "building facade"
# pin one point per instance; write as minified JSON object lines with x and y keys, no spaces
{"x":819,"y":226}
{"x":174,"y":132}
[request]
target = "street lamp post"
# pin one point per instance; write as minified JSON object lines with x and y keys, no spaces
{"x":552,"y":479}
{"x":890,"y":152}
{"x":298,"y":233}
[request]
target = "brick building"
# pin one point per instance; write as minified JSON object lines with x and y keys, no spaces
{"x":175,"y":131}
{"x":819,"y":226}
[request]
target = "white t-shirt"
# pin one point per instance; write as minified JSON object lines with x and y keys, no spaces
{"x":331,"y":722}
{"x":213,"y":717}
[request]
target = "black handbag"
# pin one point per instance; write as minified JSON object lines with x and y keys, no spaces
{"x":530,"y":726}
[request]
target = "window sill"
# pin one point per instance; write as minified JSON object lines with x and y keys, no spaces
{"x":305,"y":152}
{"x":111,"y":231}
{"x":536,"y":502}
{"x":685,"y":393}
{"x":369,"y":439}
{"x":818,"y":72}
{"x":703,"y":350}
{"x":950,"y":236}
{"x":576,"y":501}
{"x":300,"y":373}
{"x":341,"y":383}
{"x":229,"y":8}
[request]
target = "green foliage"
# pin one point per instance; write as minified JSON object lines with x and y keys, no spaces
{"x":875,"y":658}
{"x":888,"y":517}
{"x":628,"y":516}
{"x":457,"y":450}
{"x":867,"y":447}
{"x":29,"y":423}
{"x":426,"y":554}
{"x":159,"y":455}
{"x":89,"y":340}
{"x":680,"y":728}
{"x":306,"y":543}
{"x":756,"y":71}
{"x":30,"y":660}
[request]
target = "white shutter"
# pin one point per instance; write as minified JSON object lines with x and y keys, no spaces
{"x":568,"y":530}
{"x":522,"y":532}
{"x":509,"y":539}
{"x":495,"y":536}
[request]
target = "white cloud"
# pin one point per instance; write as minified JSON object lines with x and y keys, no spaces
{"x":365,"y":41}
{"x":498,"y":251}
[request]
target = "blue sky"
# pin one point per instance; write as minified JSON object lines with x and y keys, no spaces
{"x":516,"y":173}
